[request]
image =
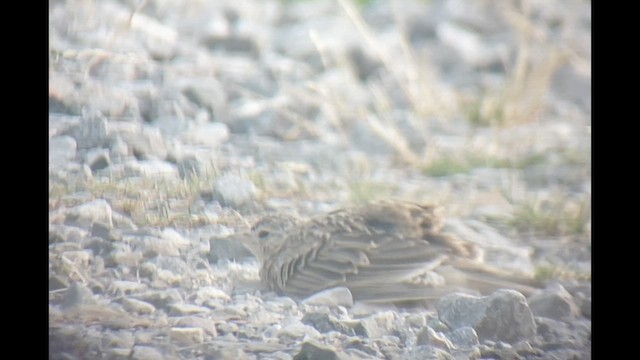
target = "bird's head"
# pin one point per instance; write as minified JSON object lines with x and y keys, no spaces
{"x":268,"y":233}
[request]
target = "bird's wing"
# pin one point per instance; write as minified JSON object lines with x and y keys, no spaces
{"x":485,"y":278}
{"x":350,"y":259}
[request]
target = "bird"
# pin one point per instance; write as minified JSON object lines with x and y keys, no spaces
{"x":378,"y":250}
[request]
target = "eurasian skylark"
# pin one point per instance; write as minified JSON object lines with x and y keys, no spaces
{"x":376,"y":250}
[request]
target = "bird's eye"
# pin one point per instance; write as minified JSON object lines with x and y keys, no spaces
{"x":263,"y":234}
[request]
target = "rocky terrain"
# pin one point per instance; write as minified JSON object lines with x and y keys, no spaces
{"x":174,"y":125}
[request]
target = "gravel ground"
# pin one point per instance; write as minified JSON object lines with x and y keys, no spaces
{"x":173,"y":125}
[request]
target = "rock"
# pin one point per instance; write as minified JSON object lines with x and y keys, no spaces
{"x":119,"y":150}
{"x":554,"y":332}
{"x":227,"y":249}
{"x":62,"y":149}
{"x":210,"y":95}
{"x":503,"y":315}
{"x":104,"y":231}
{"x":57,"y":282}
{"x":554,"y":302}
{"x":338,"y":296}
{"x":426,"y":352}
{"x":122,"y":255}
{"x":77,"y":294}
{"x":208,"y":325}
{"x":211,"y":135}
{"x":146,"y":353}
{"x":63,"y":234}
{"x":145,"y":142}
{"x":91,"y":132}
{"x":297,"y":331}
{"x":150,"y":169}
{"x":121,"y":339}
{"x":227,"y":328}
{"x":86,"y":214}
{"x":234,"y":190}
{"x":325,"y":323}
{"x":464,"y":338}
{"x":415,"y":320}
{"x":123,"y":287}
{"x":187,"y":336}
{"x":79,"y":258}
{"x":314,"y":351}
{"x":138,"y":306}
{"x":155,"y":246}
{"x":368,"y":328}
{"x":207,"y":293}
{"x":118,"y":353}
{"x":428,"y":336}
{"x":158,"y":39}
{"x":188,"y":309}
{"x":97,"y":159}
{"x":584,"y":301}
{"x":189,"y":167}
{"x":162,"y":299}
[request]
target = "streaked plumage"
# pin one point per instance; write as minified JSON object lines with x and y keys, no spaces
{"x":375,"y":250}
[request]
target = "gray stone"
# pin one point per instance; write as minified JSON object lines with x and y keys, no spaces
{"x":554,"y":302}
{"x":77,"y":294}
{"x":502,"y":316}
{"x":138,"y":306}
{"x":234,"y":190}
{"x":554,"y":332}
{"x":188,"y":309}
{"x":86,"y":214}
{"x":207,"y":324}
{"x":91,"y":132}
{"x":428,"y":336}
{"x":162,"y":299}
{"x":572,"y":85}
{"x":81,"y":259}
{"x":59,"y":233}
{"x":160,"y":40}
{"x":72,"y":173}
{"x":146,"y":353}
{"x":338,"y":296}
{"x":62,"y":149}
{"x":121,"y":339}
{"x":227,"y":249}
{"x":314,"y":351}
{"x":124,"y":287}
{"x":118,"y":149}
{"x":368,"y":328}
{"x":169,"y":243}
{"x":211,"y":135}
{"x":146,"y":142}
{"x":123,"y":255}
{"x":207,"y":293}
{"x":60,"y":123}
{"x":97,"y":159}
{"x":324,"y":323}
{"x":152,"y":169}
{"x":210,"y":95}
{"x":189,"y":167}
{"x":426,"y":352}
{"x":584,"y":301}
{"x":104,"y":231}
{"x":415,"y":320}
{"x":464,"y":338}
{"x":297,"y":331}
{"x":227,"y":328}
{"x":187,"y":336}
{"x":57,"y":282}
